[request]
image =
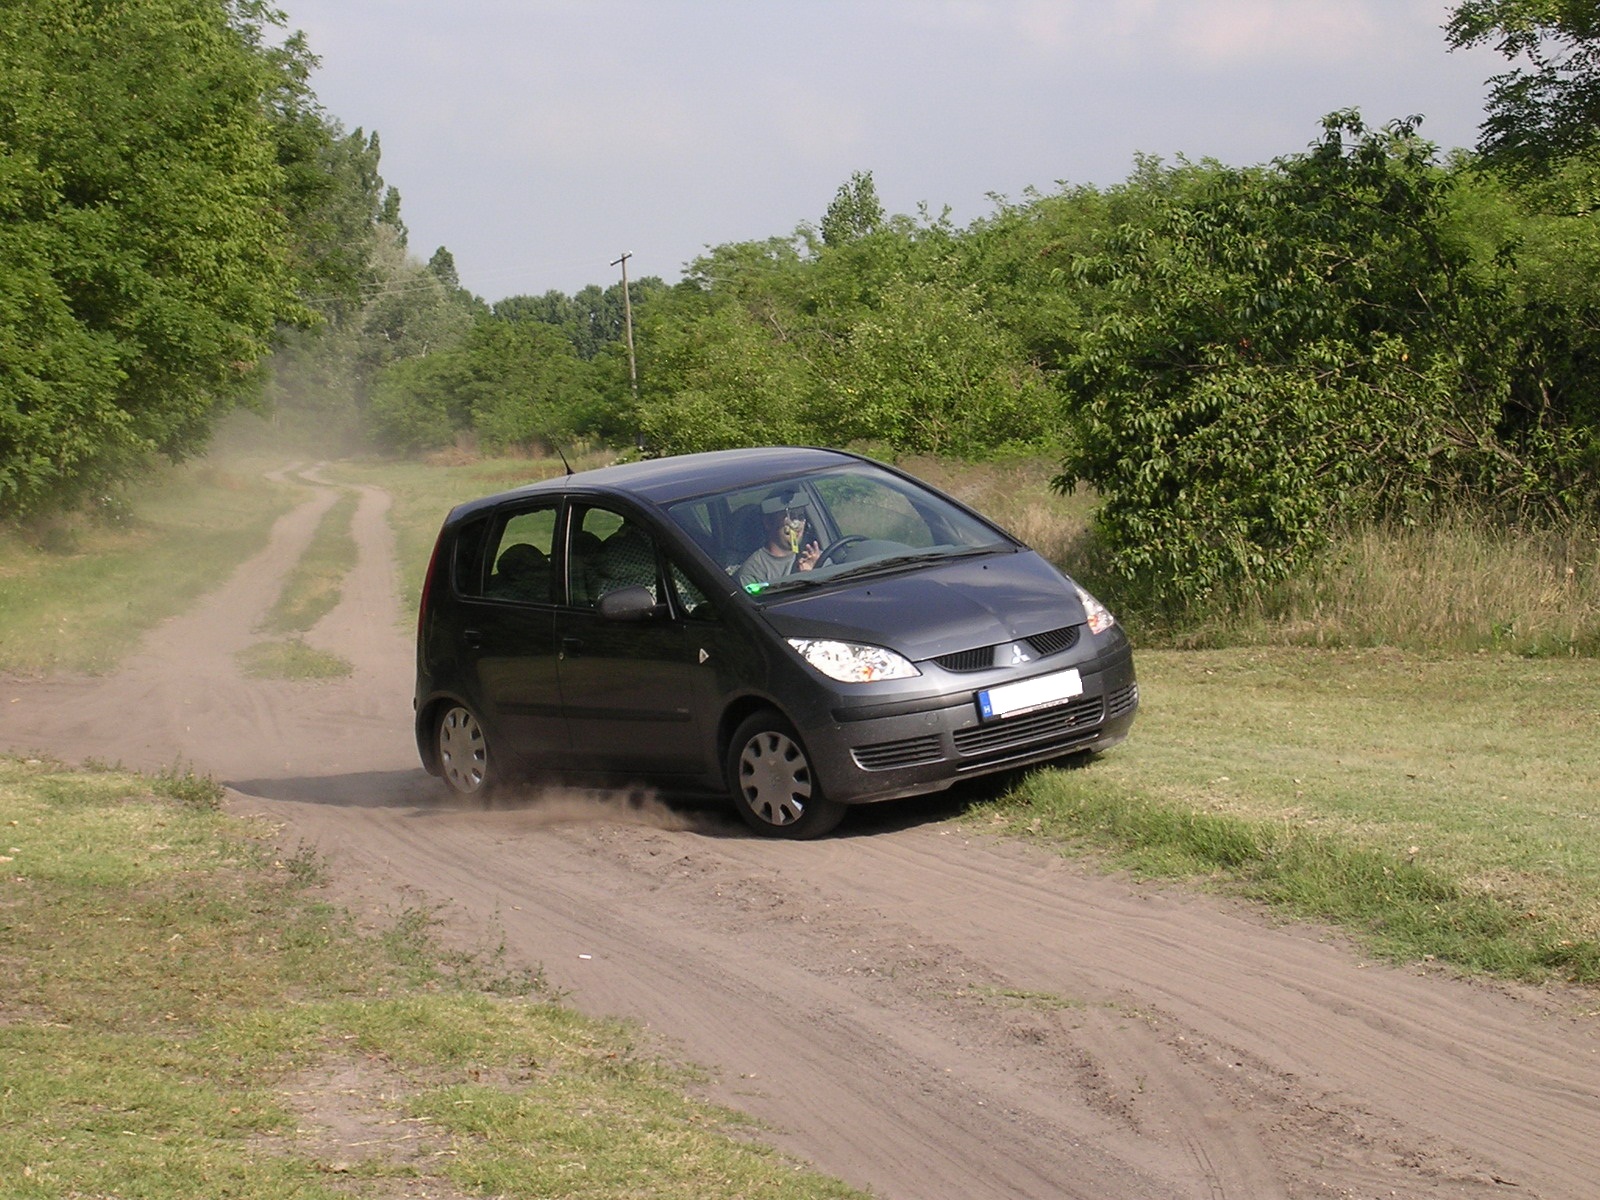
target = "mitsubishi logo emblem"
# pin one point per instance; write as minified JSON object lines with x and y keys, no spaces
{"x":1019,"y":655}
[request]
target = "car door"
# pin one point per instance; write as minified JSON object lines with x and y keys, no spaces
{"x":510,"y":633}
{"x":633,"y":690}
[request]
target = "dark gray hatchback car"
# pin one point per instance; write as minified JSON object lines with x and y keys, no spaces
{"x":800,"y":629}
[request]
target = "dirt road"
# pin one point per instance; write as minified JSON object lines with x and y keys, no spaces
{"x":913,"y":1007}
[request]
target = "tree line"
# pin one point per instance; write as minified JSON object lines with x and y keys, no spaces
{"x":1235,"y":359}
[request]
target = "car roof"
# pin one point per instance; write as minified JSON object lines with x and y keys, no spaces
{"x":665,"y":480}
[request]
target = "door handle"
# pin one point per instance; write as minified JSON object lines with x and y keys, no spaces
{"x":472,"y":638}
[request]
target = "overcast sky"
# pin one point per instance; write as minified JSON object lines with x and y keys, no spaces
{"x":539,"y":139}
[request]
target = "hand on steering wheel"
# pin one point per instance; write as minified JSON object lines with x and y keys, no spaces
{"x":826,"y":556}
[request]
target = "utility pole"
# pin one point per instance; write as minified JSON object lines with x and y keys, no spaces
{"x":627,"y":325}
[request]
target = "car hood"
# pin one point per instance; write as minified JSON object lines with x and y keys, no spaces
{"x":935,"y":608}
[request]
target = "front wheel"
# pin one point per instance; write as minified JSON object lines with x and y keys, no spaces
{"x":772,"y":783}
{"x":464,"y":752}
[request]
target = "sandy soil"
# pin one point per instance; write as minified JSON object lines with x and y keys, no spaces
{"x":912,"y":1006}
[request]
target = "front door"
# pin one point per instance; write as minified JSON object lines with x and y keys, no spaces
{"x":632,"y":690}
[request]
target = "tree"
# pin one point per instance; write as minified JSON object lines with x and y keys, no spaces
{"x":145,"y":255}
{"x":718,"y":377}
{"x":592,"y":319}
{"x":1291,"y":346}
{"x":507,"y":383}
{"x":1548,"y":110}
{"x":443,"y":268}
{"x":411,"y":311}
{"x":854,"y":213}
{"x":929,"y":371}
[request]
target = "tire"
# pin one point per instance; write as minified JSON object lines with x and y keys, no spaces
{"x":464,"y":759}
{"x":772,"y":783}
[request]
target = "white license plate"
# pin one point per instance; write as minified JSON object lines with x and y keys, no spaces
{"x":1039,"y":692}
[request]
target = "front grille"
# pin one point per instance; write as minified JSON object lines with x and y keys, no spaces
{"x":1123,"y":700}
{"x":1043,"y":645}
{"x":980,"y":659}
{"x":908,"y":752}
{"x":1031,"y":727}
{"x":1054,"y":642}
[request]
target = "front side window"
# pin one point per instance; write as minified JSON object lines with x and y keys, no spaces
{"x":690,"y":599}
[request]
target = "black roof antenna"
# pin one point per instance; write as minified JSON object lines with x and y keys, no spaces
{"x":564,"y":461}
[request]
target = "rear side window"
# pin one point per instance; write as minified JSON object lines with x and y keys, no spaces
{"x":466,"y":567}
{"x":521,"y":559}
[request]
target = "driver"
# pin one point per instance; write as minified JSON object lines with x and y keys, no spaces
{"x":784,"y":523}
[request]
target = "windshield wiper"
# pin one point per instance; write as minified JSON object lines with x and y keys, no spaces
{"x":896,"y":561}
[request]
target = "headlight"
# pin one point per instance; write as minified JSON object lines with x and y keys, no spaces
{"x":1100,"y":618}
{"x":850,"y":662}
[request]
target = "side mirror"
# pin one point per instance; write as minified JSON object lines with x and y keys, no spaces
{"x":630,"y":604}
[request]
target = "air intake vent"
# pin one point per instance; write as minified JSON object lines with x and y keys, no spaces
{"x":1122,"y":701}
{"x":980,"y":659}
{"x":1054,"y":642}
{"x":908,"y":752}
{"x":1031,"y":727}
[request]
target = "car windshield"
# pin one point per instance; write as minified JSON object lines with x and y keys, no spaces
{"x":809,"y":529}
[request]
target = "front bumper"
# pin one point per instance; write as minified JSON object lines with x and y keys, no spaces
{"x":883,"y":752}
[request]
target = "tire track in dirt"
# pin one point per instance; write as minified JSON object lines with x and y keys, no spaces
{"x":915,"y":1008}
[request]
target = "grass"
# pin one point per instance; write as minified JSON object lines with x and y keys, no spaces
{"x":78,"y":595}
{"x":1460,"y":584}
{"x":180,"y":1003}
{"x":293,"y":659}
{"x":313,"y":587}
{"x":1441,"y":808}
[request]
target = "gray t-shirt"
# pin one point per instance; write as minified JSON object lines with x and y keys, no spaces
{"x":764,"y":567}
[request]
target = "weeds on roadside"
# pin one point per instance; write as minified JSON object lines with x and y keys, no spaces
{"x":179,"y":782}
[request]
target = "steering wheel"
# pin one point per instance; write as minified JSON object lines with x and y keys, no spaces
{"x":826,"y":556}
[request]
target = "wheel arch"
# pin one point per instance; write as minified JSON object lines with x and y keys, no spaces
{"x":426,"y":723}
{"x":734,"y":715}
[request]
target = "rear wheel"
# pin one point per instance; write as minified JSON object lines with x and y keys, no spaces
{"x":772,"y":783}
{"x":464,"y":752}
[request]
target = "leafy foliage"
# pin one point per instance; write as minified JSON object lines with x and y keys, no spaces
{"x":1287,"y":344}
{"x":1547,"y":111}
{"x":930,"y":371}
{"x":722,"y":379}
{"x":870,"y":334}
{"x":144,"y":256}
{"x":854,"y":213}
{"x":512,"y":383}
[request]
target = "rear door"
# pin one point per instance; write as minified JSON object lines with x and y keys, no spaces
{"x":509,"y":632}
